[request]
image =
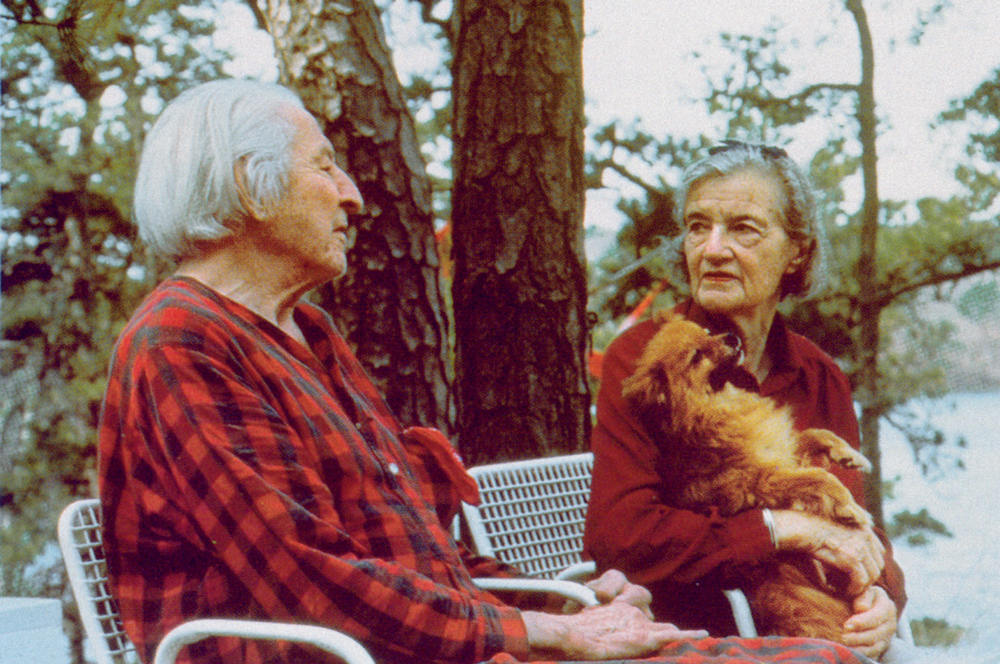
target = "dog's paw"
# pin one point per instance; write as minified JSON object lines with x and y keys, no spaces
{"x":825,"y":449}
{"x":852,"y":514}
{"x":848,"y":457}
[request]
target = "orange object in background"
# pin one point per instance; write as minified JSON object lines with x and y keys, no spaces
{"x":596,"y":359}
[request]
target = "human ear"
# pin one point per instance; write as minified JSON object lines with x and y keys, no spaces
{"x":803,"y":251}
{"x":250,"y":205}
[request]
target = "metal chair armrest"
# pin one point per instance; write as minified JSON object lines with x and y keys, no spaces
{"x":578,"y":571}
{"x":331,"y":641}
{"x":568,"y":589}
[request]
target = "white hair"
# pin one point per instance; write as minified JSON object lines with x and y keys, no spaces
{"x":185,"y":190}
{"x":800,"y":217}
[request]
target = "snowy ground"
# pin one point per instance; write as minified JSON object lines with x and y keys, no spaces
{"x":954,"y":579}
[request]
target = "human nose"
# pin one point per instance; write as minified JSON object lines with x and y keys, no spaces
{"x":350,"y":196}
{"x":717,"y":242}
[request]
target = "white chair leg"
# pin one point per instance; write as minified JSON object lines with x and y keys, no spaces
{"x":741,"y":613}
{"x":328,"y":640}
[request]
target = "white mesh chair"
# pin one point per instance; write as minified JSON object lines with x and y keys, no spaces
{"x":532,"y":515}
{"x":80,"y":539}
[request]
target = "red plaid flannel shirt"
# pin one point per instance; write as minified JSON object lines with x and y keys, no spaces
{"x":244,"y":476}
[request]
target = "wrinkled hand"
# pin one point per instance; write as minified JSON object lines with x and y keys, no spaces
{"x":612,"y":586}
{"x":871,"y":628}
{"x":616,"y":630}
{"x":855,"y":551}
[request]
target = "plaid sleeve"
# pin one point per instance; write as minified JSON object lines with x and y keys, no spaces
{"x":443,"y":479}
{"x":446,"y":484}
{"x":249,"y":527}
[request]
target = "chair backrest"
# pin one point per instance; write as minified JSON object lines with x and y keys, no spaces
{"x":82,"y":548}
{"x":532,"y":512}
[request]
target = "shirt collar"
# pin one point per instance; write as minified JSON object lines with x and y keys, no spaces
{"x":787,"y":362}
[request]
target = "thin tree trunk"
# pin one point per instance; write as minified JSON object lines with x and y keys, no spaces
{"x":870,"y":310}
{"x":389,"y":304}
{"x":520,"y":279}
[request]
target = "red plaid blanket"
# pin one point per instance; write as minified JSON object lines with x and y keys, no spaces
{"x":766,"y":650}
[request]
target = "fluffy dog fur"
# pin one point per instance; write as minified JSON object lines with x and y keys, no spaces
{"x":733,"y":449}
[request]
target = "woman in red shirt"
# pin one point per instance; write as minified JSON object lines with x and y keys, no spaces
{"x":750,"y":239}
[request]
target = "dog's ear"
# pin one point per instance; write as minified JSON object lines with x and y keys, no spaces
{"x":665,"y":316}
{"x":649,"y":385}
{"x":648,"y":389}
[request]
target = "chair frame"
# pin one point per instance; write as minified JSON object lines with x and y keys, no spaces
{"x":81,"y":542}
{"x":532,"y":516}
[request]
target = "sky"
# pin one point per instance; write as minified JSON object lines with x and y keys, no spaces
{"x":639,"y":67}
{"x":651,"y":48}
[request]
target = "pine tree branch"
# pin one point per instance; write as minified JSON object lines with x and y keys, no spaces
{"x":935,"y":279}
{"x":258,"y":15}
{"x":802,"y":96}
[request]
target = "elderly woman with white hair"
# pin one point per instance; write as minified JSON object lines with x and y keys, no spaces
{"x":750,"y":239}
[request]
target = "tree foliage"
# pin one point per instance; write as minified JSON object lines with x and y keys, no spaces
{"x":887,"y":255}
{"x":983,"y":106}
{"x":81,"y":82}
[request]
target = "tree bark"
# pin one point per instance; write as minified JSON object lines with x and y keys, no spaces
{"x":870,"y":309}
{"x":389,"y":305}
{"x":519,"y":290}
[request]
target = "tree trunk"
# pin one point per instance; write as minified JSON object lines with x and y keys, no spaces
{"x":519,"y":290}
{"x":389,"y":304}
{"x":870,"y":308}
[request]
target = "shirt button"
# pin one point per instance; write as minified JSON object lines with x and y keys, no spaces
{"x":358,"y":426}
{"x":393,"y":468}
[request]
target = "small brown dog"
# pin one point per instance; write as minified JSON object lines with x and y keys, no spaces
{"x":733,"y":449}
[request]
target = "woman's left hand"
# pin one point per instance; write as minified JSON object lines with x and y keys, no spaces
{"x":612,"y":586}
{"x":871,"y":628}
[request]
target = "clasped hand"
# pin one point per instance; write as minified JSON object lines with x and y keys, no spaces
{"x":860,"y":555}
{"x":857,"y":552}
{"x":621,"y":627}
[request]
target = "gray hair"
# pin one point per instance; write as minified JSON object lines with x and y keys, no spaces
{"x":185,"y":190}
{"x":800,"y":217}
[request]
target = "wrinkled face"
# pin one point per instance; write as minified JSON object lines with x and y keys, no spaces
{"x":735,"y":244}
{"x":307,"y":229}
